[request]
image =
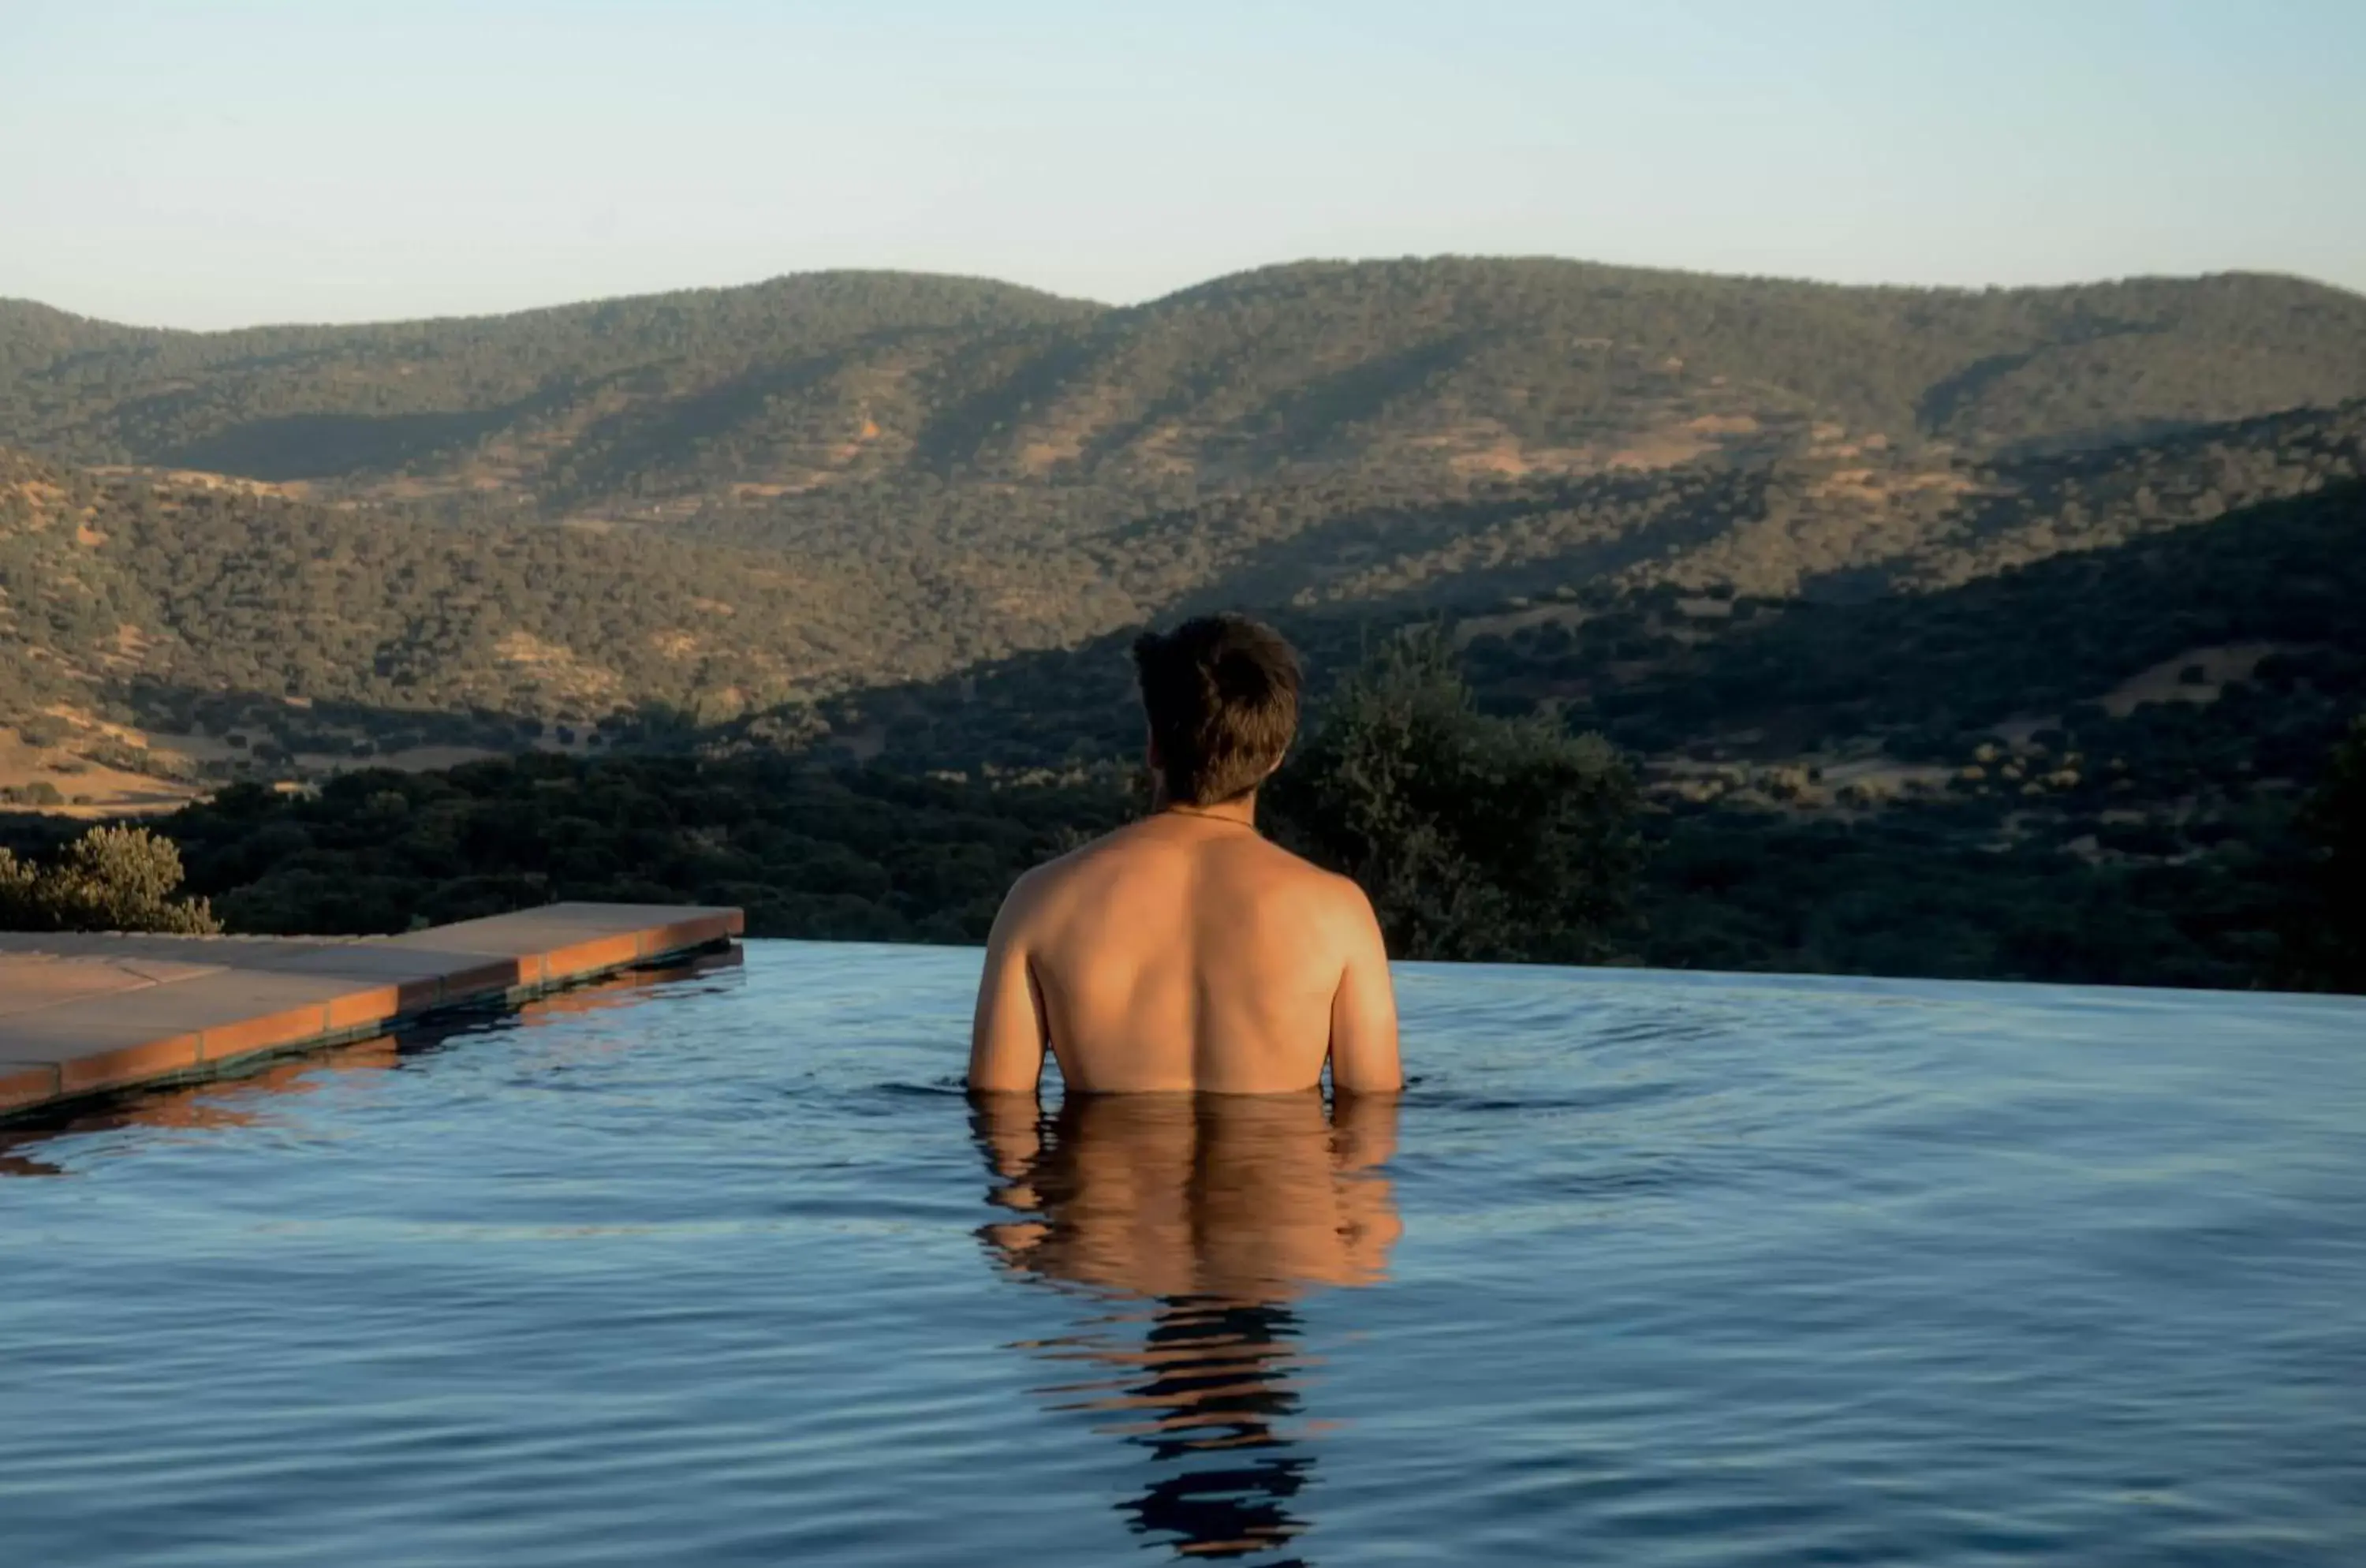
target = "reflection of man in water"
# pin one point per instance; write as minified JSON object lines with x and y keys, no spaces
{"x":1218,"y":1213}
{"x":1185,"y":951}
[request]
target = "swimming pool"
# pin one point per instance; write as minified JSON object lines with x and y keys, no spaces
{"x":1647,"y":1270}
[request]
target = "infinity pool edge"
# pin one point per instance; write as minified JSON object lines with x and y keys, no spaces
{"x":83,"y":1016}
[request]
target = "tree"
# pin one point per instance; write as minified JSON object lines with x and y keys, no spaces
{"x":111,"y":879}
{"x":1477,"y":836}
{"x":2330,"y":943}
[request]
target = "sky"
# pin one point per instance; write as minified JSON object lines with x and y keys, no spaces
{"x":226,"y":163}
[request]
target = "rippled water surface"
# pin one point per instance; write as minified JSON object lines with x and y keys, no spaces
{"x":1646,"y":1271}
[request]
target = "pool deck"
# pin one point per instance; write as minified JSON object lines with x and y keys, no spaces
{"x":92,"y":1014}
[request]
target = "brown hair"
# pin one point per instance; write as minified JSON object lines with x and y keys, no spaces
{"x":1221,"y":696}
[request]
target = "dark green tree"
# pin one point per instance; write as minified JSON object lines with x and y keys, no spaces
{"x":1477,"y":836}
{"x":2330,"y":943}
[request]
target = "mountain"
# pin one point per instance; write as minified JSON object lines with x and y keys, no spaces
{"x":486,"y":401}
{"x":1447,"y":368}
{"x":1982,"y":633}
{"x":620,"y":519}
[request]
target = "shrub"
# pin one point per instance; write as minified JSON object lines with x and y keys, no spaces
{"x":1477,"y":836}
{"x":111,"y":879}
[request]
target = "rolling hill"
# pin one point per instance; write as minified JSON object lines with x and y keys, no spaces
{"x":2083,"y":769}
{"x":1444,"y":369}
{"x":1994,"y":633}
{"x":629,"y":517}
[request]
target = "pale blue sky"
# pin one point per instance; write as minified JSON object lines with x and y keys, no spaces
{"x":211,"y":164}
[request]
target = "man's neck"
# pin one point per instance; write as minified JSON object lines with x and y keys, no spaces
{"x":1239,"y":810}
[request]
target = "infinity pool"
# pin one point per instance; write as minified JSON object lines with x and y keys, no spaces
{"x":1647,"y":1270}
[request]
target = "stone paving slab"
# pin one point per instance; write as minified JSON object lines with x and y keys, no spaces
{"x":85,"y":1014}
{"x":32,"y":980}
{"x":135,"y":946}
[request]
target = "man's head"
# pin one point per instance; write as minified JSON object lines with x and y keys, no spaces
{"x":1221,"y":696}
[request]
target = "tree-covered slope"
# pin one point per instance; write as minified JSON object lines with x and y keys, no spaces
{"x":1454,"y":370}
{"x":144,"y":595}
{"x":116,"y":582}
{"x":722,"y":502}
{"x":505,"y":396}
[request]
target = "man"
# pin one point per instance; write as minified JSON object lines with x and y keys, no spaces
{"x":1185,"y":953}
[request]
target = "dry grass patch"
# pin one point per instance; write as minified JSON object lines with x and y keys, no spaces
{"x":87,"y":790}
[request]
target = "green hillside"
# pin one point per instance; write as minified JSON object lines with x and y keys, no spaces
{"x":494,"y":394}
{"x":720,"y":502}
{"x":1993,"y":633}
{"x":119,"y":584}
{"x":1448,"y":369}
{"x":2088,"y":769}
{"x":179,"y":606}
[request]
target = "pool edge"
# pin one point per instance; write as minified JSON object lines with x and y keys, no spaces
{"x":260,"y":1001}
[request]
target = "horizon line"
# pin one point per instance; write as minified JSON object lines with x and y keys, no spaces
{"x":1966,"y":289}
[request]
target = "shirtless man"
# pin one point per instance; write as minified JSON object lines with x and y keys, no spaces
{"x":1185,"y":953}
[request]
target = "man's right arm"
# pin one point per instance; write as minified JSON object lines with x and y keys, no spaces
{"x":1009,"y":1034}
{"x":1364,"y":1010}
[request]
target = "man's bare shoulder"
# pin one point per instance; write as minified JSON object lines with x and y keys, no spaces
{"x":1348,"y":905}
{"x":1043,"y":885}
{"x":1294,"y":888}
{"x":1037,"y":884}
{"x":1107,"y":862}
{"x":1327,"y":886}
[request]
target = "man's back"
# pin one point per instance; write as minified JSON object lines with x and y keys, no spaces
{"x":1186,"y":953}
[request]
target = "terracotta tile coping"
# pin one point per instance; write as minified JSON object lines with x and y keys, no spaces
{"x":96,"y":1015}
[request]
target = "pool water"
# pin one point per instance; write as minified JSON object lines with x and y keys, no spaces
{"x":721,"y":1268}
